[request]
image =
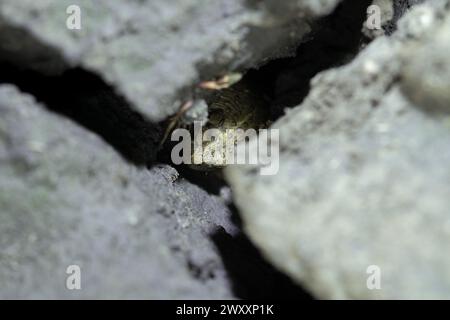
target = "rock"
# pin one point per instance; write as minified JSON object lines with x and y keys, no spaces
{"x":426,"y":73}
{"x":154,"y":52}
{"x":363,"y":182}
{"x":67,"y":198}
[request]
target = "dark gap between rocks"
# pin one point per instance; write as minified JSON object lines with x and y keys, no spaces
{"x":334,"y":41}
{"x":85,"y":98}
{"x":252,"y":276}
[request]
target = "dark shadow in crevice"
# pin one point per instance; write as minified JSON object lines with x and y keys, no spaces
{"x":84,"y":97}
{"x":333,"y":41}
{"x":87,"y":99}
{"x":251,"y":275}
{"x":22,"y":48}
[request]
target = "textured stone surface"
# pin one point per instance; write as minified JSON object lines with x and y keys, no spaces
{"x":363,"y":171}
{"x":153,"y":52}
{"x":67,"y":198}
{"x":364,"y":176}
{"x":426,"y":75}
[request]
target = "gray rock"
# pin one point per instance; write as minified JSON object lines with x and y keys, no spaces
{"x":364,"y":175}
{"x":154,"y":52}
{"x":67,"y":198}
{"x":426,"y":75}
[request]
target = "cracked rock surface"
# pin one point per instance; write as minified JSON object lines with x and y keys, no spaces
{"x":363,"y":179}
{"x":364,"y":175}
{"x":153,"y":51}
{"x":67,"y":198}
{"x":80,"y":122}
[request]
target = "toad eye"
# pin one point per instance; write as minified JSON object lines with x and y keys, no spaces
{"x":216,"y":116}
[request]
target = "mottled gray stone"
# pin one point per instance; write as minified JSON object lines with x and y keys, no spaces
{"x":154,"y":52}
{"x":364,"y":175}
{"x":363,"y":171}
{"x":68,"y":198}
{"x":426,"y":73}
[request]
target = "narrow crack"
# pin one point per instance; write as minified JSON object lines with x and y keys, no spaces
{"x":334,"y":41}
{"x":84,"y":97}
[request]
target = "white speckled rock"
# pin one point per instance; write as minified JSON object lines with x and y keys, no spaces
{"x":151,"y":51}
{"x":364,"y":177}
{"x":68,"y":198}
